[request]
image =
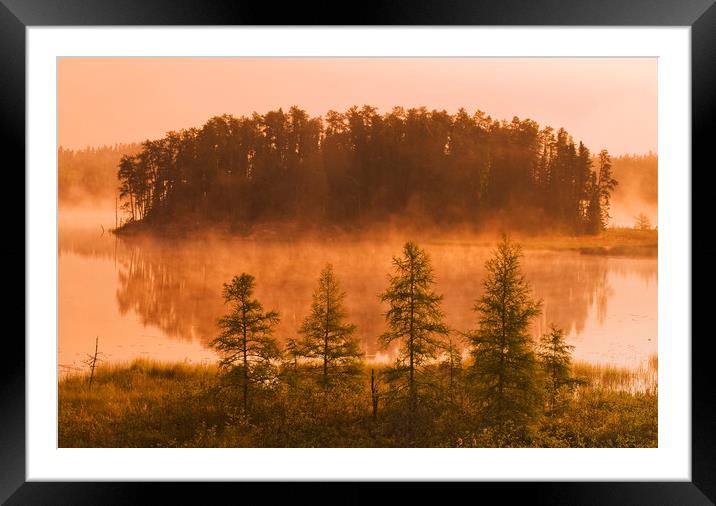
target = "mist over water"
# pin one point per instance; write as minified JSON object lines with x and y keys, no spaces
{"x":160,"y":298}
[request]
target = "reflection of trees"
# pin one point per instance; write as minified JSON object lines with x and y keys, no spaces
{"x":175,"y":285}
{"x":87,"y":242}
{"x":570,"y":285}
{"x":644,"y":268}
{"x":168,"y":290}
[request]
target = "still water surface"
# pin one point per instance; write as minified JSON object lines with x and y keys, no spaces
{"x":160,"y":299}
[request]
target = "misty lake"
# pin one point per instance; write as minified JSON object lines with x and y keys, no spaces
{"x":160,"y":299}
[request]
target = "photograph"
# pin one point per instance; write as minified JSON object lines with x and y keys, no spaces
{"x":357,"y":252}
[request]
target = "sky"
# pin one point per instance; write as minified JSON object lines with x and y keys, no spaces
{"x":607,"y":103}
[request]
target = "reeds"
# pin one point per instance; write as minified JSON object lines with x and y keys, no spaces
{"x":642,"y":379}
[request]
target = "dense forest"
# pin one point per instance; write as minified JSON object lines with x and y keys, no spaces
{"x":360,"y":167}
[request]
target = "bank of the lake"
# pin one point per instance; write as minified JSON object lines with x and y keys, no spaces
{"x":610,"y":242}
{"x":615,"y":241}
{"x":150,"y":404}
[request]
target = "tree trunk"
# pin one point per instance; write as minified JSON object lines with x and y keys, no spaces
{"x":94,"y":362}
{"x":411,"y":387}
{"x":501,"y":375}
{"x":373,"y":394}
{"x":246,"y":367}
{"x":325,"y":341}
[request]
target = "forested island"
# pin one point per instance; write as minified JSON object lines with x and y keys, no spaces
{"x":359,"y":168}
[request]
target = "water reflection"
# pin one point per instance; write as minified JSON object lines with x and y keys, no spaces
{"x":607,"y":305}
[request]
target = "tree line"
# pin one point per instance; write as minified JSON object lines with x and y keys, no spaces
{"x":507,"y":381}
{"x":359,"y":166}
{"x":90,"y":172}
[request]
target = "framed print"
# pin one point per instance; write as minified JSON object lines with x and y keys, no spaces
{"x":444,"y":244}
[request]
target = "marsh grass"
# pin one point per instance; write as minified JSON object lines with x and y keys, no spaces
{"x":143,"y":403}
{"x":613,"y":241}
{"x":643,"y":379}
{"x":152,"y":404}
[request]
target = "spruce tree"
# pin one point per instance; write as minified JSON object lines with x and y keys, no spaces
{"x":594,"y":207}
{"x":504,"y":369}
{"x":642,"y":222}
{"x":581,"y":188}
{"x":414,"y":318}
{"x":326,"y":335}
{"x":556,"y":358}
{"x":606,"y":184}
{"x":246,"y":343}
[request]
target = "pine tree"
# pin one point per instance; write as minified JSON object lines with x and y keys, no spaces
{"x":293,"y":351}
{"x":581,"y":186}
{"x":556,"y":358}
{"x":246,"y":341}
{"x":606,"y":184}
{"x":452,"y":365}
{"x":326,"y":335}
{"x":414,"y":317}
{"x":504,"y":368}
{"x":594,"y":223}
{"x":642,"y":222}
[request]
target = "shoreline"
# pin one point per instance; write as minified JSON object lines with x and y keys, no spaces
{"x":611,"y":242}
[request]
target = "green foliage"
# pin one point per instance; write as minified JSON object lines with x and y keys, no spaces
{"x":246,"y":343}
{"x":556,"y":359}
{"x":504,"y":369}
{"x":326,"y":337}
{"x":414,"y":318}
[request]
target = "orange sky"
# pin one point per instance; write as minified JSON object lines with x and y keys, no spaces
{"x":605,"y":102}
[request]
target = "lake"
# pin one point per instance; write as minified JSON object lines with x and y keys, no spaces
{"x":160,"y":299}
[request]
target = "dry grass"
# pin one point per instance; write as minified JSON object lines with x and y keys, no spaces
{"x":151,"y":404}
{"x":643,"y":379}
{"x":135,"y":404}
{"x":613,"y":241}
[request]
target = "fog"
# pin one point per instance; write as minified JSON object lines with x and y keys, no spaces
{"x":161,"y":298}
{"x":637,"y":191}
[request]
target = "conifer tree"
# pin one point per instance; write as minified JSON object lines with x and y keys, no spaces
{"x":326,"y":335}
{"x":594,"y":207}
{"x":556,"y":358}
{"x":606,"y":184}
{"x":583,"y":171}
{"x":504,"y":369}
{"x":293,"y":351}
{"x":415,"y":317}
{"x":642,"y":222}
{"x":246,"y":343}
{"x":452,"y":364}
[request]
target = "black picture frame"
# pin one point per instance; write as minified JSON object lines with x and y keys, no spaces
{"x":700,"y":15}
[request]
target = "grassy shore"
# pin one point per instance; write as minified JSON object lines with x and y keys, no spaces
{"x":147,"y":404}
{"x":613,"y":241}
